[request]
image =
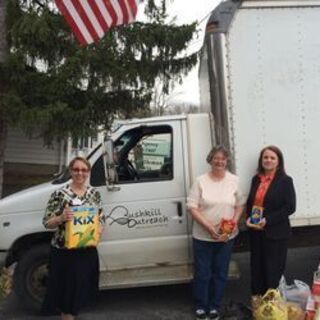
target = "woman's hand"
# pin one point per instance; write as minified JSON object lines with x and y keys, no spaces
{"x":256,"y":226}
{"x":220,"y":237}
{"x":262,"y":223}
{"x":57,"y":220}
{"x":100,"y":229}
{"x":224,"y":237}
{"x":212,"y":230}
{"x":66,"y":215}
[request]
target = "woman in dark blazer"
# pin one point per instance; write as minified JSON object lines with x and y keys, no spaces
{"x":272,"y":196}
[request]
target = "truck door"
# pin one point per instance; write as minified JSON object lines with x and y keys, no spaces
{"x":146,"y":225}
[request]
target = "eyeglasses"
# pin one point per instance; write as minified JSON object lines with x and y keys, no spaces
{"x":78,"y":170}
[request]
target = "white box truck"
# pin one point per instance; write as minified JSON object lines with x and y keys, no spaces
{"x":260,"y":80}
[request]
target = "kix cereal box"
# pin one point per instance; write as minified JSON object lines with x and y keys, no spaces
{"x":83,"y":230}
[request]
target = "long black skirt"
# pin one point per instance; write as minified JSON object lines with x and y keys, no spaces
{"x":73,"y":280}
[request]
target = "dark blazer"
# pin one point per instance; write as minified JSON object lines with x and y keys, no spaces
{"x":279,"y":203}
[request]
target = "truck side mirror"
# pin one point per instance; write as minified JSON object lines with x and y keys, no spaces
{"x":109,"y":165}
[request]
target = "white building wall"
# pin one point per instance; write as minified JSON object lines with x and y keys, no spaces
{"x":21,"y":149}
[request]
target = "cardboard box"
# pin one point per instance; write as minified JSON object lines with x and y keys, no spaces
{"x":83,"y":230}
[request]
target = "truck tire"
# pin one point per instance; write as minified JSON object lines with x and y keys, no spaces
{"x":30,"y":276}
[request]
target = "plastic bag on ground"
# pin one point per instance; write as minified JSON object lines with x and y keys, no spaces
{"x":255,"y":303}
{"x":298,"y":292}
{"x":295,"y":312}
{"x":272,"y":307}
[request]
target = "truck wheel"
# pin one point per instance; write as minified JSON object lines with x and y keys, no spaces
{"x":31,"y":274}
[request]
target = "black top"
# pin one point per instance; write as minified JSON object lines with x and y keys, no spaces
{"x":279,"y":203}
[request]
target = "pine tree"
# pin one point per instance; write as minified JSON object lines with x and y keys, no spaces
{"x":53,"y":87}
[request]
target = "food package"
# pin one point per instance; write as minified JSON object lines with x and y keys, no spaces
{"x":256,"y":214}
{"x":83,"y":230}
{"x":227,"y":226}
{"x":272,"y":307}
{"x":310,"y":308}
{"x":316,"y":286}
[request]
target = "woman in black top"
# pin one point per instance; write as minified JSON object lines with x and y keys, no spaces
{"x":272,"y":192}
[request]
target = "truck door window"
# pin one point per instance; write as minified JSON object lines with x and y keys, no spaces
{"x":146,"y":156}
{"x":151,"y":156}
{"x":141,"y":154}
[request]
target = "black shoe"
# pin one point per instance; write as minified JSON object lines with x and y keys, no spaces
{"x":214,"y":315}
{"x":200,"y":314}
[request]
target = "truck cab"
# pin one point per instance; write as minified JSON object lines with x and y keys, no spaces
{"x":143,"y":172}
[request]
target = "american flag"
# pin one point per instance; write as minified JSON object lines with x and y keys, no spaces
{"x":90,"y":19}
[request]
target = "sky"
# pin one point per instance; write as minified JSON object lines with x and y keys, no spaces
{"x":186,"y":12}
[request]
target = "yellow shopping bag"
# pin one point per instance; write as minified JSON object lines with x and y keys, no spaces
{"x":272,"y":307}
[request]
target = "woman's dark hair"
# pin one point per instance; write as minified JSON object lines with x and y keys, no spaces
{"x":215,"y":150}
{"x":279,"y":154}
{"x":83,"y":160}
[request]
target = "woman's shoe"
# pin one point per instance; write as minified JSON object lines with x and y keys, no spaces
{"x":200,"y":314}
{"x":214,"y":315}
